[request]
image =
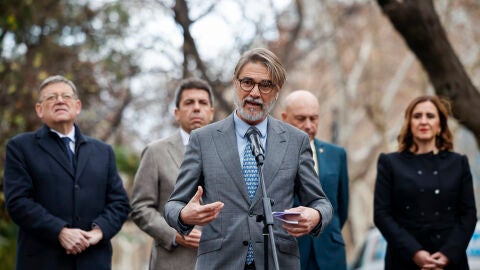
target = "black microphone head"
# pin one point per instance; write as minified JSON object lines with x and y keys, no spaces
{"x":251,"y":131}
{"x":253,"y":136}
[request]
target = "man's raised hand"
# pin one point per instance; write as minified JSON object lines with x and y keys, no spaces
{"x":195,"y":213}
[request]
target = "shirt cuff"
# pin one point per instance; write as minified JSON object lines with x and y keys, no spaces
{"x":174,"y":241}
{"x":184,"y":229}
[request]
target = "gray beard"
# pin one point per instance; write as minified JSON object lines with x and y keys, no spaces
{"x":251,"y":115}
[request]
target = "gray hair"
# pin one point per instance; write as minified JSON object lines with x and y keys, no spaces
{"x":57,"y":79}
{"x":267,"y":58}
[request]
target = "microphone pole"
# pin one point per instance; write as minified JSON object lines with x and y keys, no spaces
{"x":257,"y":151}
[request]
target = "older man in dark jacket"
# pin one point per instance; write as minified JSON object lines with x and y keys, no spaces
{"x":62,"y":188}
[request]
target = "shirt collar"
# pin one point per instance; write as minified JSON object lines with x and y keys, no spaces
{"x":70,"y":135}
{"x":185,"y":136}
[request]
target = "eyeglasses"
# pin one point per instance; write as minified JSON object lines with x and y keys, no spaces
{"x":53,"y":97}
{"x":264,"y":86}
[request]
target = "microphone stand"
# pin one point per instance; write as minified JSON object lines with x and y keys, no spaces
{"x":267,"y":218}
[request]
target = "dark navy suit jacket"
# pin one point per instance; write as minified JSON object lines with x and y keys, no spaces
{"x":329,"y":247}
{"x":44,"y":193}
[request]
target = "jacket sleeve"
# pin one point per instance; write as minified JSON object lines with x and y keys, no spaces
{"x":464,"y":226}
{"x":116,"y":207}
{"x":146,"y":199}
{"x":309,"y":190}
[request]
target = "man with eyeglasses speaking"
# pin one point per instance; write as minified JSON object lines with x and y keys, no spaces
{"x":218,"y":182}
{"x":62,"y":188}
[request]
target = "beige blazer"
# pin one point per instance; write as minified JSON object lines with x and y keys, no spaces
{"x":154,"y":182}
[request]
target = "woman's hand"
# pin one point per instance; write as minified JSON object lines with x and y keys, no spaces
{"x":427,"y":261}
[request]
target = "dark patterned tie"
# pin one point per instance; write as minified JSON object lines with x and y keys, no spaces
{"x":250,"y":174}
{"x":66,"y":142}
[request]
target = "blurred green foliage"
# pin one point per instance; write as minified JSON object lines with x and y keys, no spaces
{"x":127,"y":161}
{"x":8,"y":244}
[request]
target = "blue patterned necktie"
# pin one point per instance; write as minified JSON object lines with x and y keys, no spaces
{"x":250,"y":171}
{"x":66,"y":142}
{"x":250,"y":174}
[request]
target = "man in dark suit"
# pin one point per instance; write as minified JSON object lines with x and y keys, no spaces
{"x":213,"y":190}
{"x":326,"y":252}
{"x":157,"y":174}
{"x":62,"y":188}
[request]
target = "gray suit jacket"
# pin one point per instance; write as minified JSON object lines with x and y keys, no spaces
{"x":212,"y":161}
{"x":153,"y":185}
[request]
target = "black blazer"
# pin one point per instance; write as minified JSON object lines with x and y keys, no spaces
{"x":44,"y":194}
{"x":424,"y":202}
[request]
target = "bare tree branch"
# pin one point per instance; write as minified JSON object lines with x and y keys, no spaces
{"x":115,"y":118}
{"x":190,"y":51}
{"x":286,"y":51}
{"x":419,"y":25}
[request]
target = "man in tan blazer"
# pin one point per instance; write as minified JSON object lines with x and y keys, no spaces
{"x":156,"y":176}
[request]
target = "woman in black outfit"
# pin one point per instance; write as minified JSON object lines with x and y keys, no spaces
{"x":424,"y":203}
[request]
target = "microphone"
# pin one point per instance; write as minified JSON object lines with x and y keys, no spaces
{"x":253,"y":136}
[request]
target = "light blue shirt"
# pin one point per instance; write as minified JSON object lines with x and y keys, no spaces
{"x":70,"y":135}
{"x":241,"y":128}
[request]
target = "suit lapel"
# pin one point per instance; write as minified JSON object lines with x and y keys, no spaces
{"x":82,"y":152}
{"x":47,"y":142}
{"x":176,"y":149}
{"x":226,"y":145}
{"x":276,"y":150}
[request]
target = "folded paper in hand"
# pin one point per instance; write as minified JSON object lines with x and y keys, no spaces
{"x":283,"y":216}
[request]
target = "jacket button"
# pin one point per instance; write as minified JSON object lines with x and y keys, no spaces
{"x":407,"y":207}
{"x":419,"y":172}
{"x":245,"y":243}
{"x":77,"y":186}
{"x":437,"y":191}
{"x":437,"y":213}
{"x":422,"y":190}
{"x":435,"y":172}
{"x":422,"y":214}
{"x":250,"y":213}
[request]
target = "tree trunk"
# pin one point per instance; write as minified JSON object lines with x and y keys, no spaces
{"x":419,"y":25}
